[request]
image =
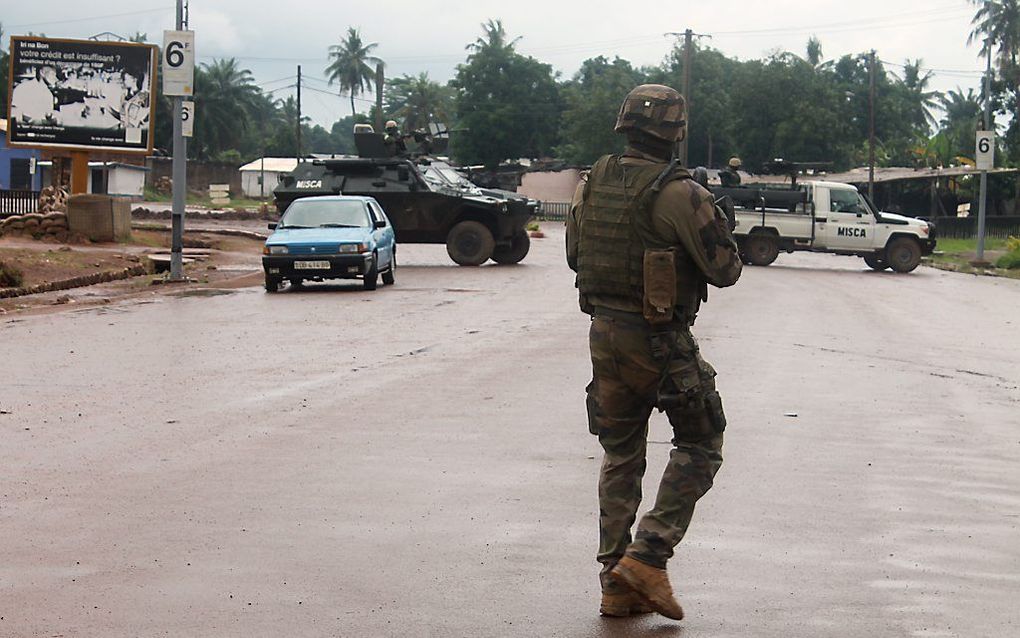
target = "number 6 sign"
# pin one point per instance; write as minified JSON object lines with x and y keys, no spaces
{"x":985,"y":155}
{"x":178,"y":62}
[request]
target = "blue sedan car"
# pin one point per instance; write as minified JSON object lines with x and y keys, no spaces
{"x":331,"y":237}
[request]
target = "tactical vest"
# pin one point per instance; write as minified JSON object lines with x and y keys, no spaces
{"x":615,"y":228}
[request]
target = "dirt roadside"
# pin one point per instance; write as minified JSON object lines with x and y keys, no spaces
{"x":213,"y":259}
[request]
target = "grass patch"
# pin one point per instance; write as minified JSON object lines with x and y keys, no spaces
{"x":10,"y":276}
{"x":957,"y":255}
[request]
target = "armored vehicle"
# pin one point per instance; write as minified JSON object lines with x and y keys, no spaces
{"x":426,"y":200}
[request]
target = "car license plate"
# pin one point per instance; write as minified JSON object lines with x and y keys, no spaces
{"x":311,"y":265}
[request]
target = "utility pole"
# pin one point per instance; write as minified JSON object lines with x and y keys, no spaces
{"x":297,"y":125}
{"x":689,"y":35}
{"x":871,"y":125}
{"x":688,"y":40}
{"x":179,"y":176}
{"x":380,"y":79}
{"x":982,"y":204}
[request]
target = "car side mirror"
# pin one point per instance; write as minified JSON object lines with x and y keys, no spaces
{"x":379,"y":223}
{"x":272,"y":225}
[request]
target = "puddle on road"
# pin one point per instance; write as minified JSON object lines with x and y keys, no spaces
{"x":206,"y":292}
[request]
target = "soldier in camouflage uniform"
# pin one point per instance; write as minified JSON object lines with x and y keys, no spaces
{"x":632,"y":206}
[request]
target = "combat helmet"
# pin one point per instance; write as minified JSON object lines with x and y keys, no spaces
{"x":656,"y":110}
{"x":735,"y":162}
{"x":390,"y":124}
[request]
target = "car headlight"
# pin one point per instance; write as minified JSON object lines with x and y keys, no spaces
{"x":353,"y":248}
{"x":275,"y":250}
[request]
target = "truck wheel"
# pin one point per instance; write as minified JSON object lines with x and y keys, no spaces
{"x":518,"y":250}
{"x":903,"y":254}
{"x":761,"y":249}
{"x":272,"y":284}
{"x":876,"y":262}
{"x":390,"y":276}
{"x":372,"y":275}
{"x":470,"y":243}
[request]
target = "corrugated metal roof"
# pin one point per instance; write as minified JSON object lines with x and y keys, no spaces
{"x":272,"y":164}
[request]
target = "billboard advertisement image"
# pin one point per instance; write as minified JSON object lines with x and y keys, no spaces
{"x":81,"y":94}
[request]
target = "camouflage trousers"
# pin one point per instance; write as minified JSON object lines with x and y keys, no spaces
{"x":632,"y":374}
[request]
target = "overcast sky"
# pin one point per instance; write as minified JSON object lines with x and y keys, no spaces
{"x":272,"y":38}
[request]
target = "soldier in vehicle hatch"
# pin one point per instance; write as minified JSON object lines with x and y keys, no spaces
{"x":645,"y":241}
{"x":394,"y":140}
{"x":729,"y":177}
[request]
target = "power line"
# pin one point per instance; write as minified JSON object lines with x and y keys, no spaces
{"x":91,"y":18}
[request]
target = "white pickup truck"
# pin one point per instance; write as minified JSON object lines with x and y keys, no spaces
{"x":824,"y":217}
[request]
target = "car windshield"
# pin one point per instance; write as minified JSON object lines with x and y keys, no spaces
{"x":307,"y":213}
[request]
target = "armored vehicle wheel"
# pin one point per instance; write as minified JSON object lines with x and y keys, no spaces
{"x":372,"y":275}
{"x":761,"y":249}
{"x":390,"y":275}
{"x":272,"y":284}
{"x":515,"y":252}
{"x":876,"y":262}
{"x":470,"y":243}
{"x":903,"y":254}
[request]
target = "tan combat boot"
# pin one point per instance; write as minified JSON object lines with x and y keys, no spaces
{"x":651,"y":585}
{"x":620,"y":604}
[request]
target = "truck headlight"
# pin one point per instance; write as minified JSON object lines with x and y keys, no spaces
{"x":275,"y":250}
{"x":353,"y":248}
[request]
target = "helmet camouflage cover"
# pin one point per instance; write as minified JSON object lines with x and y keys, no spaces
{"x":735,"y":162}
{"x":655,"y":109}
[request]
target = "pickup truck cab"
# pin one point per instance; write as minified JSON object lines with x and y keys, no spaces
{"x":828,"y":217}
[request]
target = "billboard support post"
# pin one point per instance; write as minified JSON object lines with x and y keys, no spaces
{"x":79,"y":172}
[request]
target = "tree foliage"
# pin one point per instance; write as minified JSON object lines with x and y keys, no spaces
{"x":508,"y":105}
{"x":352,"y":65}
{"x":416,"y":100}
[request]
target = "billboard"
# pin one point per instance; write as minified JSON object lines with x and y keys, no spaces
{"x":81,"y":94}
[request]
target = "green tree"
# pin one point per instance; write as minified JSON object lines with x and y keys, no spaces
{"x":417,"y":100}
{"x":592,"y":100}
{"x":508,"y":105}
{"x":960,"y":122}
{"x":352,"y":66}
{"x":225,"y":100}
{"x":917,"y":80}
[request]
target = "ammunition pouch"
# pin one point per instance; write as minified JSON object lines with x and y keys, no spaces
{"x":687,"y":391}
{"x":660,"y":279}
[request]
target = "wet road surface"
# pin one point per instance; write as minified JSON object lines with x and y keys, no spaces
{"x":414,"y":461}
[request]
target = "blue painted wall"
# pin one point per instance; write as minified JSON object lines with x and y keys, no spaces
{"x":7,"y":154}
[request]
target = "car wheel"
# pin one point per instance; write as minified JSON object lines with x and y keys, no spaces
{"x":876,"y":262}
{"x":390,"y":275}
{"x":903,"y":254}
{"x":372,"y":274}
{"x":761,"y":249}
{"x":272,"y":284}
{"x":518,"y":250}
{"x":470,"y":243}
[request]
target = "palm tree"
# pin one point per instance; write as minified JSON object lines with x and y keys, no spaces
{"x":814,"y":51}
{"x":917,"y":80}
{"x":418,"y":100}
{"x":997,"y":25}
{"x":352,"y":65}
{"x":494,"y":38}
{"x":227,"y":98}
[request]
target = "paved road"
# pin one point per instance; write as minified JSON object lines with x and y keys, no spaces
{"x":415,"y":461}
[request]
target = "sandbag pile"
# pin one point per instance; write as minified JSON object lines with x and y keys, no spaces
{"x":164,"y":186}
{"x":36,"y":225}
{"x":52,"y":200}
